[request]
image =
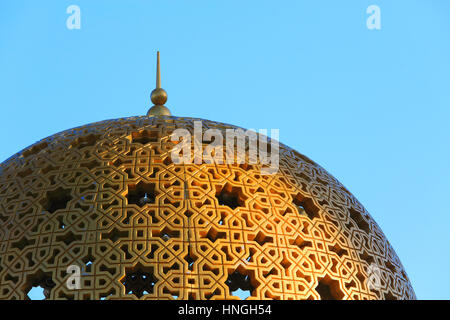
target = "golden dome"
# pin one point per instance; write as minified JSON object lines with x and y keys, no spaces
{"x":107,"y":197}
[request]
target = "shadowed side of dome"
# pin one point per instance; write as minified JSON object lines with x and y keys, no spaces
{"x":108,"y":198}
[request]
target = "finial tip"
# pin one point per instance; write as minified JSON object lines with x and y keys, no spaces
{"x":159,"y":95}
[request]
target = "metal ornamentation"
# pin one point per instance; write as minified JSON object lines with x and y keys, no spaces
{"x":107,"y":197}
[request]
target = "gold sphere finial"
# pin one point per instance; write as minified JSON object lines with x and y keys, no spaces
{"x":158,"y":96}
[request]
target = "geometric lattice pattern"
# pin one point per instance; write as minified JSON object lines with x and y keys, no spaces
{"x":107,"y":197}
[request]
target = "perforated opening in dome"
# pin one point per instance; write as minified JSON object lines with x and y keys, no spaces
{"x":166,"y":233}
{"x":306,"y":206}
{"x":69,"y":237}
{"x":115,"y":234}
{"x":391,"y":267}
{"x":366,"y":257}
{"x":336,"y":248}
{"x":261,"y":238}
{"x":141,"y":194}
{"x":190,"y":259}
{"x":145,"y":136}
{"x":56,"y":200}
{"x":213,"y":234}
{"x":36,"y":293}
{"x":231,"y":196}
{"x":329,"y":289}
{"x":22,"y":243}
{"x":139,"y":280}
{"x":88,"y":261}
{"x":390,"y":296}
{"x":239,"y":283}
{"x":42,"y":282}
{"x":359,"y":220}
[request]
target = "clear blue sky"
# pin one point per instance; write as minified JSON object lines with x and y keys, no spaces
{"x":371,"y":106}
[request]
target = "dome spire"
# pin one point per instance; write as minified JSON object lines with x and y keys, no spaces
{"x":158,"y":96}
{"x":158,"y":72}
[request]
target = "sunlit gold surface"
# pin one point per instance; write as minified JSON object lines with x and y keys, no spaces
{"x":66,"y":200}
{"x":158,"y":110}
